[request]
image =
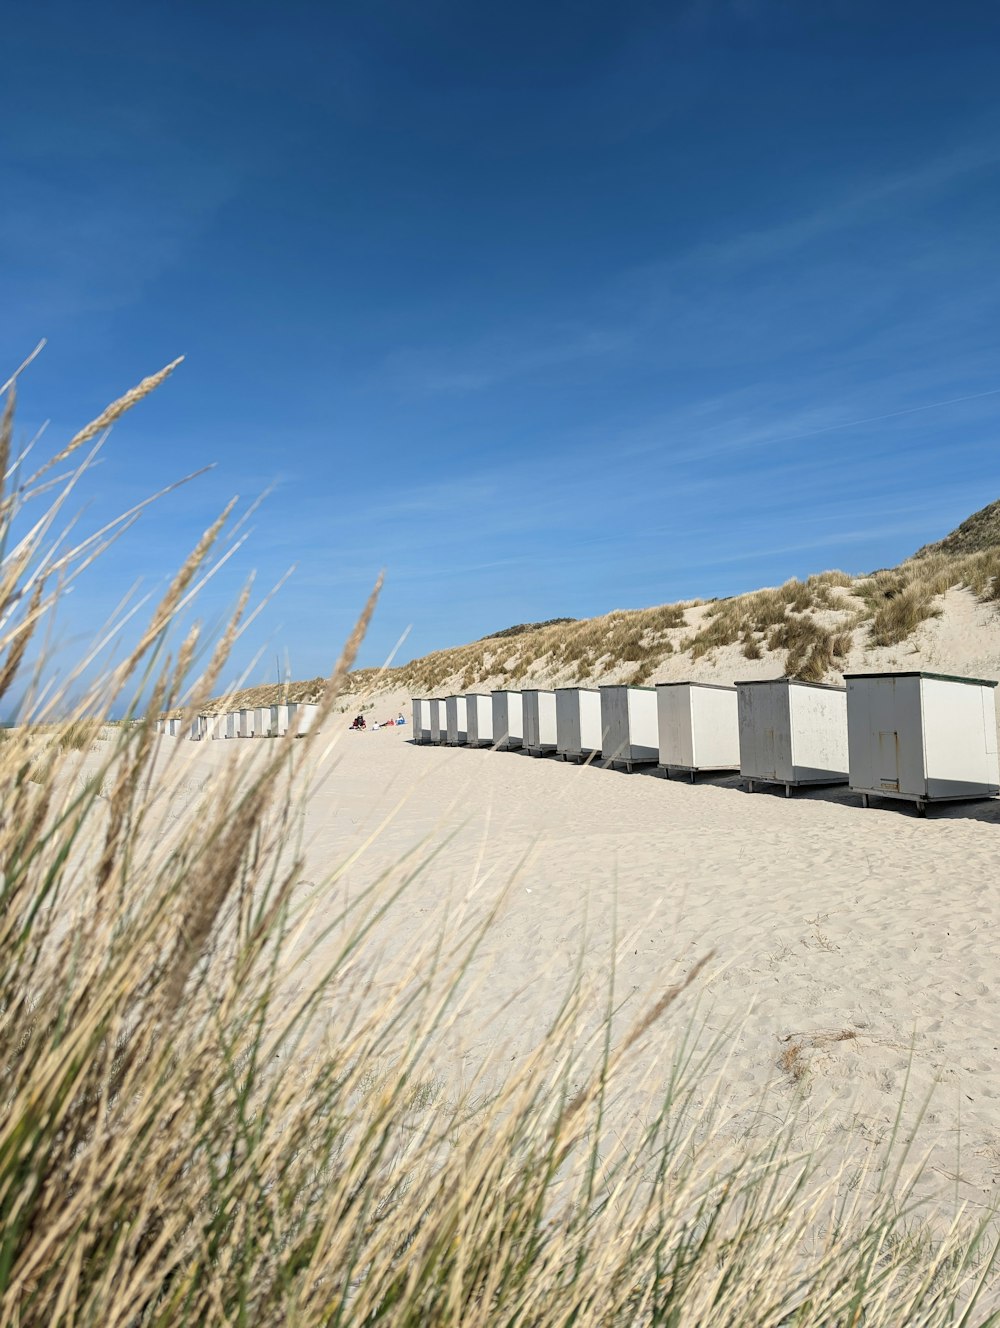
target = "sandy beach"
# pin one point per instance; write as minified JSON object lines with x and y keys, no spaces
{"x":856,"y":952}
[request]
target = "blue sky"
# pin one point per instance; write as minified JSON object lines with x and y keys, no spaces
{"x":547,"y":309}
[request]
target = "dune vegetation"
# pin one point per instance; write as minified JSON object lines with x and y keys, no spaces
{"x":194,"y":1133}
{"x":806,"y":628}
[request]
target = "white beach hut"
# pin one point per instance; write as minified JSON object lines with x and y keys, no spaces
{"x":197,"y":728}
{"x":439,"y":719}
{"x":304,"y":719}
{"x":280,"y":718}
{"x":232,"y":729}
{"x":925,"y":737}
{"x":456,"y":724}
{"x":478,"y":719}
{"x":247,"y":721}
{"x":538,"y":721}
{"x":792,"y":733}
{"x":216,"y":727}
{"x":629,"y":726}
{"x":578,"y":723}
{"x":173,"y":727}
{"x":421,"y":720}
{"x":698,"y":725}
{"x":508,"y":720}
{"x":262,"y":722}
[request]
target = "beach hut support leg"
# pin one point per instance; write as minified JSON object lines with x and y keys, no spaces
{"x":864,"y":799}
{"x":788,"y":790}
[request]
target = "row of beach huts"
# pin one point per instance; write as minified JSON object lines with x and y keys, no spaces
{"x":259,"y":722}
{"x":925,"y":737}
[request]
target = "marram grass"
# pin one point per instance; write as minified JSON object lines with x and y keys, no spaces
{"x":193,"y":1133}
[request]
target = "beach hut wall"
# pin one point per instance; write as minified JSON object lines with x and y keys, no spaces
{"x":279,"y":720}
{"x":216,"y":727}
{"x":508,"y":720}
{"x":197,"y":728}
{"x":247,"y":720}
{"x":538,"y":721}
{"x":629,"y":726}
{"x":578,"y":723}
{"x":232,"y":729}
{"x":698,"y":725}
{"x":456,"y":722}
{"x":304,"y":719}
{"x":792,"y":733}
{"x":925,"y":737}
{"x":262,"y":722}
{"x":173,"y":727}
{"x":439,"y":719}
{"x":478,"y":719}
{"x":421,"y":720}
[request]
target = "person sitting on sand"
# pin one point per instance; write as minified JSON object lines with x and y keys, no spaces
{"x":359,"y":722}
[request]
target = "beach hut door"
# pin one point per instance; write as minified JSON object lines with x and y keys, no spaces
{"x":883,"y":712}
{"x":888,"y":760}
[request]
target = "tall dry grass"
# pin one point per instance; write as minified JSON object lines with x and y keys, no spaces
{"x":214,"y":1113}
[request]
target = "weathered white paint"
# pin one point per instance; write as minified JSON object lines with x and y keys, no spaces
{"x":479,"y":719}
{"x":792,"y":732}
{"x":538,"y":721}
{"x":508,"y":720}
{"x":456,"y":724}
{"x":305,"y":717}
{"x":578,"y":722}
{"x":629,"y":725}
{"x":922,"y":736}
{"x":698,"y":726}
{"x":247,"y":722}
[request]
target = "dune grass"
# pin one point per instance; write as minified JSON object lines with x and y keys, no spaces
{"x":218,"y":1110}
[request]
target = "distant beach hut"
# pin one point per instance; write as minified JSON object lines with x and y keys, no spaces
{"x":280,"y":719}
{"x":478,"y":719}
{"x":508,"y":720}
{"x":698,"y":725}
{"x":439,"y":719}
{"x":215,"y":727}
{"x":304,"y":719}
{"x":421,"y":720}
{"x":247,"y":720}
{"x":578,"y":723}
{"x":924,"y":737}
{"x":232,"y":729}
{"x":792,"y":733}
{"x":198,"y":728}
{"x":629,"y":727}
{"x":538,"y":721}
{"x":456,"y":724}
{"x":173,"y":727}
{"x":262,"y":722}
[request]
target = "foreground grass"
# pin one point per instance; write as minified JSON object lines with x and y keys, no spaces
{"x":194,"y":1131}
